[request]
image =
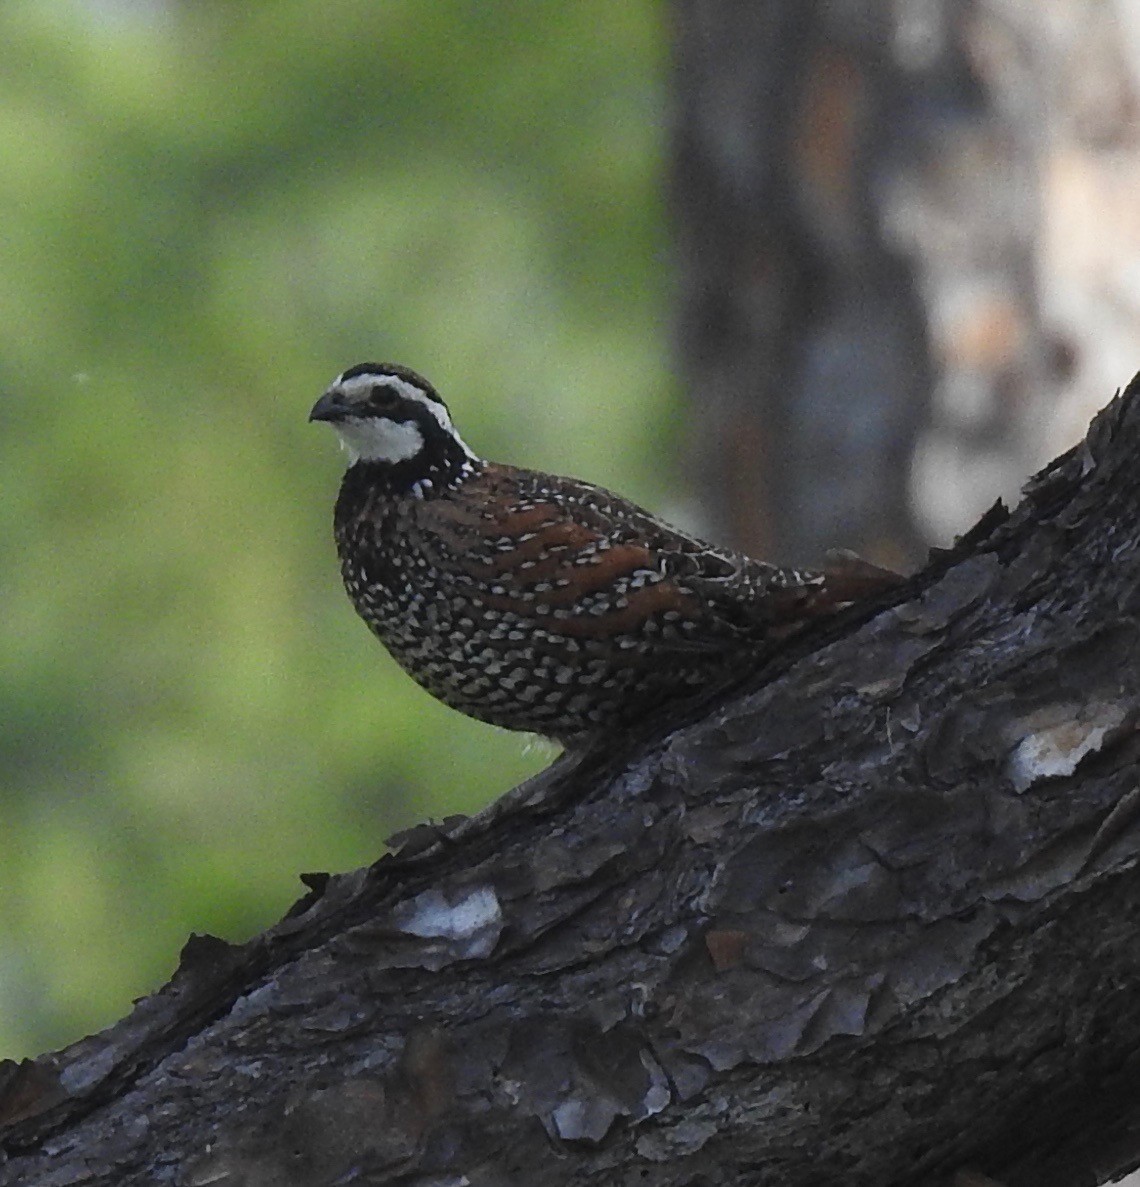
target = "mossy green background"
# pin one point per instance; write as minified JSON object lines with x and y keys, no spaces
{"x":207,"y":210}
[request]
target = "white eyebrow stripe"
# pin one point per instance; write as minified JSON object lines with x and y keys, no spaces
{"x":359,"y":387}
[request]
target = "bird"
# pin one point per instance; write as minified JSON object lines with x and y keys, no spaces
{"x":537,"y":602}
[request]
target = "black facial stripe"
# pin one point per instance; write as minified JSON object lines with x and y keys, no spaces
{"x":385,"y":396}
{"x":408,"y":411}
{"x":392,"y":405}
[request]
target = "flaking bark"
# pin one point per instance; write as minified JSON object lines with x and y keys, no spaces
{"x":871,"y":920}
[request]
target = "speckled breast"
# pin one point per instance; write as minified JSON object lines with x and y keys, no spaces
{"x":454,"y":636}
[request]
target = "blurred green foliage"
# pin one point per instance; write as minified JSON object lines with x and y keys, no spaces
{"x":208,"y":209}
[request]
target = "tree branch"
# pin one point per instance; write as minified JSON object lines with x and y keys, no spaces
{"x":870,"y":920}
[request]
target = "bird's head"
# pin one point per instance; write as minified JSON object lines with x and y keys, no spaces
{"x":389,"y":417}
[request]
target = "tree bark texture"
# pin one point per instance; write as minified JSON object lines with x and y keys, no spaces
{"x":870,"y":920}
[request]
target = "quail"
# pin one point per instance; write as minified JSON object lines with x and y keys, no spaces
{"x":536,"y":602}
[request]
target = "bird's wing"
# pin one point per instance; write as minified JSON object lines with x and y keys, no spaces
{"x":591,"y":564}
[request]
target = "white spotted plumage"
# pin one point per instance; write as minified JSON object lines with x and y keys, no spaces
{"x":533,"y":601}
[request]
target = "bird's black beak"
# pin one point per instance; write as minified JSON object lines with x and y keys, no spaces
{"x":329,"y":407}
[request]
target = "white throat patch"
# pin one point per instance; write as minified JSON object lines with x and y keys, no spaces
{"x":377,"y":439}
{"x":376,"y":444}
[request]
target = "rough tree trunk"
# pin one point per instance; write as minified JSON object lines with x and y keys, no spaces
{"x":870,"y":921}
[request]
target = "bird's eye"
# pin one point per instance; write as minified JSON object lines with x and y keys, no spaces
{"x":382,"y":396}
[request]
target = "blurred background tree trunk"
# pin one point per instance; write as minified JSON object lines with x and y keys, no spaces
{"x":897,"y":226}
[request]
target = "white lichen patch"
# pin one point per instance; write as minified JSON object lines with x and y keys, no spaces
{"x":1055,"y":740}
{"x":472,"y":920}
